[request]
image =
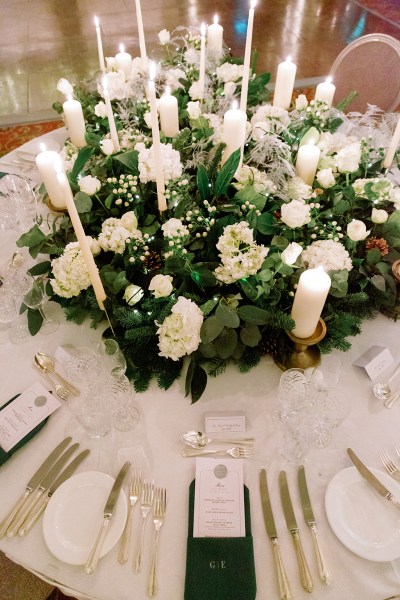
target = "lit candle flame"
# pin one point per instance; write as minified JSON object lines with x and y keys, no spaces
{"x":121,"y":48}
{"x":288,"y":59}
{"x":253,"y":4}
{"x":96,"y":21}
{"x":203,"y":29}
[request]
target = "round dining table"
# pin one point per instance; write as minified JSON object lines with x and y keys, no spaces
{"x":155,"y":446}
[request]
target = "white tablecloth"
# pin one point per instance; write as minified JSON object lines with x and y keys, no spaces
{"x":155,"y":446}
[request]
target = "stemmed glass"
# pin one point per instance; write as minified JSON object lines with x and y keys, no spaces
{"x":35,"y":297}
{"x":8,"y":309}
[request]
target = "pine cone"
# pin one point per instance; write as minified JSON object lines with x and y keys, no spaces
{"x":152,"y":261}
{"x":269,"y":346}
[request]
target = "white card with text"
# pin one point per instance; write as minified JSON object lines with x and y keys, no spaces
{"x":219,"y":498}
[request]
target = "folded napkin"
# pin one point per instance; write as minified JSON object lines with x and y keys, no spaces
{"x":4,"y":456}
{"x":220,"y":568}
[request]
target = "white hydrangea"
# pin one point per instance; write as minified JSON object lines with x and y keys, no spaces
{"x":118,"y":87}
{"x":174,"y":228}
{"x":70,"y":272}
{"x":295,"y":214}
{"x":229,"y":72}
{"x":140,"y":68}
{"x":172,"y":77}
{"x":191,"y":57}
{"x":171,"y":161}
{"x":330,"y":255}
{"x":268,"y":119}
{"x":114,"y":236}
{"x":258,"y":179}
{"x":179,"y":335}
{"x":379,"y":185}
{"x":332,"y":143}
{"x":217,"y":124}
{"x":296,"y":189}
{"x":240,"y":255}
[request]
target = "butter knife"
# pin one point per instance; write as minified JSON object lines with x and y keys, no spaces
{"x":372,"y":480}
{"x":42,"y":487}
{"x":305,"y":575}
{"x":37,"y":510}
{"x":310,"y":520}
{"x":32,"y":484}
{"x":283,"y":582}
{"x":108,"y":512}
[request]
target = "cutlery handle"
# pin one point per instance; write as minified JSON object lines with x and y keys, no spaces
{"x":138,"y":560}
{"x":323,"y":571}
{"x":5,"y":524}
{"x":305,"y":575}
{"x":33,"y":517}
{"x":123,"y":554}
{"x":235,"y":442}
{"x":187,"y":452}
{"x":74,"y":391}
{"x":23,"y":513}
{"x":153,"y":586}
{"x":283,"y":581}
{"x":392,"y":399}
{"x":94,"y":556}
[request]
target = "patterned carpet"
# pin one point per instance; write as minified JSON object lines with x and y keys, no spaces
{"x":12,"y":137}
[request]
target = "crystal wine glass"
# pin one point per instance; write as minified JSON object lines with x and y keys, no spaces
{"x":35,"y":298}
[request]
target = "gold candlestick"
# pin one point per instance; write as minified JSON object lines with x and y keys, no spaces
{"x":305,"y":352}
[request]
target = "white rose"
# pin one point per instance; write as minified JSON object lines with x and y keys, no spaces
{"x":164,"y":36}
{"x":395,"y":197}
{"x":194,"y":110}
{"x":349,"y":158}
{"x":357,"y":231}
{"x":229,"y":88}
{"x":379,"y":216}
{"x":111,"y":63}
{"x":147,"y":119}
{"x":301,"y":102}
{"x":291,"y":253}
{"x":295,"y":214}
{"x":133,"y":294}
{"x":161,"y":285}
{"x":196,"y":91}
{"x":100,"y":110}
{"x":107,"y":146}
{"x":90,"y":185}
{"x":64,"y":86}
{"x":129,"y":221}
{"x":326,"y":178}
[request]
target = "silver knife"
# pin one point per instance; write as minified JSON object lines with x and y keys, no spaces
{"x":372,"y":480}
{"x":283,"y":582}
{"x":34,"y":515}
{"x":40,"y":490}
{"x":108,"y":512}
{"x":310,"y":520}
{"x":32,"y":484}
{"x":305,"y":575}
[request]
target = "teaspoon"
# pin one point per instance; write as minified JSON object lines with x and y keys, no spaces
{"x":382,"y":389}
{"x":198,"y":439}
{"x":46,"y":363}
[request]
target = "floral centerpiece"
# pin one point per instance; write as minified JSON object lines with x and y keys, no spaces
{"x":213,"y":277}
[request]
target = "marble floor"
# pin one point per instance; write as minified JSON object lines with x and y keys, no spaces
{"x":43,"y":40}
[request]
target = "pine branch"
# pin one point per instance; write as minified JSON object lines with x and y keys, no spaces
{"x":216,"y":366}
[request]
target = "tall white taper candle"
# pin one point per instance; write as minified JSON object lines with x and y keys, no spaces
{"x":247,"y":57}
{"x":157,"y":154}
{"x":81,"y":237}
{"x":391,"y":151}
{"x":99,"y":45}
{"x":202,"y":74}
{"x":110,"y":116}
{"x":142,"y":42}
{"x":311,"y":293}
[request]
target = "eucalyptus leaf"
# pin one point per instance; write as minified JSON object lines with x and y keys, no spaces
{"x":225,"y":343}
{"x":83,"y":202}
{"x":379,"y":282}
{"x":250,"y":335}
{"x":254,"y":315}
{"x":210,"y":329}
{"x":227,"y":316}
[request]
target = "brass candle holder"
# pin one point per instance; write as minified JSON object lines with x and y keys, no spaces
{"x":396,"y":270}
{"x":305,"y":352}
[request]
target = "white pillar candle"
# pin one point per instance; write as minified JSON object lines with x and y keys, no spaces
{"x":99,"y":45}
{"x":284,"y":84}
{"x":142,"y":42}
{"x":157,"y":155}
{"x":110,"y":116}
{"x":214,"y":39}
{"x":169,"y":116}
{"x":307,"y":162}
{"x":81,"y":237}
{"x":247,"y":57}
{"x":234,"y":131}
{"x":202,"y":74}
{"x":311,"y":293}
{"x":75,"y":122}
{"x":123,"y":61}
{"x":325,"y":91}
{"x":391,"y":151}
{"x":48,"y":163}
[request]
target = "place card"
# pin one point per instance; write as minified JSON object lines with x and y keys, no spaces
{"x":375,"y":360}
{"x":225,"y":422}
{"x":219,"y":498}
{"x":23,"y":414}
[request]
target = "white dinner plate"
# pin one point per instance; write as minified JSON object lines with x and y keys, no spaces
{"x":362,"y":519}
{"x":31,"y":149}
{"x":74,"y":514}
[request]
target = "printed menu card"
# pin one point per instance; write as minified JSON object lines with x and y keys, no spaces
{"x":219,"y":498}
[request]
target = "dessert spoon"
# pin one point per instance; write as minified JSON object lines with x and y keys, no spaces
{"x":46,"y":363}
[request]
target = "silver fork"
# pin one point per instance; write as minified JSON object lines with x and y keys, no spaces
{"x":236,"y":452}
{"x":61,"y":391}
{"x":389,"y":465}
{"x":160,"y":508}
{"x":135,"y":489}
{"x":146,"y":504}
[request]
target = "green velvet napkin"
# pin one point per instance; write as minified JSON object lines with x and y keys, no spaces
{"x":4,"y":456}
{"x":220,"y":568}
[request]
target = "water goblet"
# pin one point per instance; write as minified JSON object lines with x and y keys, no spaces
{"x":83,"y":367}
{"x":112,"y":356}
{"x":92,"y":412}
{"x":118,"y":391}
{"x":35,"y":297}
